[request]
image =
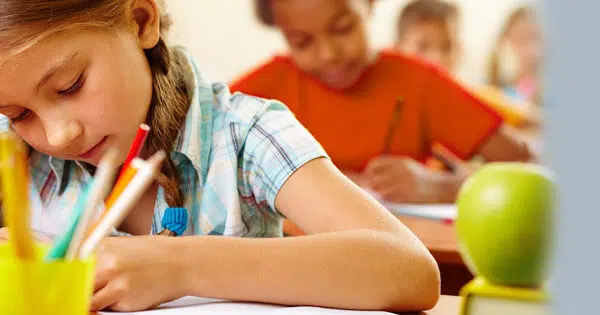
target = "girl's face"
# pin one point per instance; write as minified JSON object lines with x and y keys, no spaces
{"x":327,"y":38}
{"x":525,"y":39}
{"x":74,"y":95}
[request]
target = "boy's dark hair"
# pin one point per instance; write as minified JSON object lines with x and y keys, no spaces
{"x":425,"y":10}
{"x":264,"y":12}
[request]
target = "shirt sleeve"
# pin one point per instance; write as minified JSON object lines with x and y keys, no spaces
{"x":276,"y":146}
{"x":455,"y":117}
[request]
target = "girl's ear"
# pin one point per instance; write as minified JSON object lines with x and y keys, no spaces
{"x":146,"y":15}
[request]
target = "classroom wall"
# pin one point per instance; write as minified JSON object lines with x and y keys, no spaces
{"x":226,"y":39}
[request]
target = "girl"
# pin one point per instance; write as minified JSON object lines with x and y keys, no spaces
{"x":347,"y":96}
{"x":78,"y":77}
{"x":515,"y":63}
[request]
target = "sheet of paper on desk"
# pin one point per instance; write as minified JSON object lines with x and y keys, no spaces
{"x":431,"y":211}
{"x":203,"y":306}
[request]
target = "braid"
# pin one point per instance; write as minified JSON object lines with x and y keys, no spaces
{"x":172,"y":90}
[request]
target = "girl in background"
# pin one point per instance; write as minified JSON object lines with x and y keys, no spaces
{"x":516,"y":60}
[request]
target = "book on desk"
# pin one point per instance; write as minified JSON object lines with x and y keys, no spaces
{"x":481,"y":297}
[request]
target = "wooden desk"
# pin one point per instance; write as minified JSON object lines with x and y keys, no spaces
{"x":440,"y":238}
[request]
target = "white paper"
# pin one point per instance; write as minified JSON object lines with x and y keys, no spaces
{"x":430,"y":211}
{"x":204,"y":306}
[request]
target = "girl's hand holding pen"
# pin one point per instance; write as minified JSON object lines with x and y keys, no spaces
{"x":137,"y":273}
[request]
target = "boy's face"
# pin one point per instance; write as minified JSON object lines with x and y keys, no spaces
{"x":74,"y":96}
{"x":327,"y":38}
{"x":434,"y":41}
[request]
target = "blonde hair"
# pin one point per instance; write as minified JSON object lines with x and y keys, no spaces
{"x":494,"y":73}
{"x":25,"y":23}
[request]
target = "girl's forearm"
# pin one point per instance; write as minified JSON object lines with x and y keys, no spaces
{"x":349,"y":270}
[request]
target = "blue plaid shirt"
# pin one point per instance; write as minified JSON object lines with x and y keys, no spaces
{"x":234,"y":154}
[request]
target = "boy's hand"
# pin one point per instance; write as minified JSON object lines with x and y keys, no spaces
{"x":137,"y":273}
{"x":400,"y":179}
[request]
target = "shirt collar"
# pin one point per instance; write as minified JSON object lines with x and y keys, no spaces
{"x":190,"y":140}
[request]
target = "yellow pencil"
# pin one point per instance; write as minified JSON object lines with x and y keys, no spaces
{"x":15,"y":179}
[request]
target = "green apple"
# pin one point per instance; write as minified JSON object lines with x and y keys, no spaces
{"x":505,"y":223}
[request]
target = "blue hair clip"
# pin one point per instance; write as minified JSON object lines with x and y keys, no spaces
{"x":174,"y":221}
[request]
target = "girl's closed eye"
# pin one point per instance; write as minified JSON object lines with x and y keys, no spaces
{"x":24,"y":115}
{"x":74,"y":87}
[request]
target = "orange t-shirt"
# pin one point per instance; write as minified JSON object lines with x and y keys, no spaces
{"x":352,"y":124}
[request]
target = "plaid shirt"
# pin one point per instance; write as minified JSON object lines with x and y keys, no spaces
{"x":233,"y":156}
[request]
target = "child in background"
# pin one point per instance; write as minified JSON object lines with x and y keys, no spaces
{"x":78,"y":77}
{"x":429,"y":29}
{"x":346,"y":94}
{"x":516,"y":60}
{"x":513,"y":75}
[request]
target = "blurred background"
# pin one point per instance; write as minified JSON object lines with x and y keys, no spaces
{"x":223,"y":59}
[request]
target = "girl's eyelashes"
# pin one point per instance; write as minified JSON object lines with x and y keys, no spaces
{"x":24,"y":115}
{"x":75,"y":87}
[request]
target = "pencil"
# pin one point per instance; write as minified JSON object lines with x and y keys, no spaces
{"x":99,"y":188}
{"x":130,"y":196}
{"x":387,"y":147}
{"x":15,"y":179}
{"x":136,"y":146}
{"x":61,"y":243}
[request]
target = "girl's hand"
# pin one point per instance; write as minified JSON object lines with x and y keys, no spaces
{"x":137,"y":273}
{"x":400,"y":179}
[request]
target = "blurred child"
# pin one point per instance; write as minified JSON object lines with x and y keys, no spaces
{"x":377,"y":113}
{"x":429,"y":29}
{"x":515,"y":62}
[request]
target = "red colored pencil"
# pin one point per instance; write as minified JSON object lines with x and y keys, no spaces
{"x":136,"y":146}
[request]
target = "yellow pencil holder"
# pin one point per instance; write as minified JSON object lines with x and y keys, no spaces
{"x":40,"y":288}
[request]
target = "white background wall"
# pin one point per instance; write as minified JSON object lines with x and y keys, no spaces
{"x":226,"y":39}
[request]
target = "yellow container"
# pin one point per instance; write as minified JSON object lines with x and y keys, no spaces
{"x":44,"y":288}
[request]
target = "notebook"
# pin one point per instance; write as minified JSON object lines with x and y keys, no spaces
{"x":204,"y":306}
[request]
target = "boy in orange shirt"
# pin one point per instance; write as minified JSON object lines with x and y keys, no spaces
{"x":347,"y":95}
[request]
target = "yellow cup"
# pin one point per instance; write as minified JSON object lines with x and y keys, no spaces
{"x":40,"y":288}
